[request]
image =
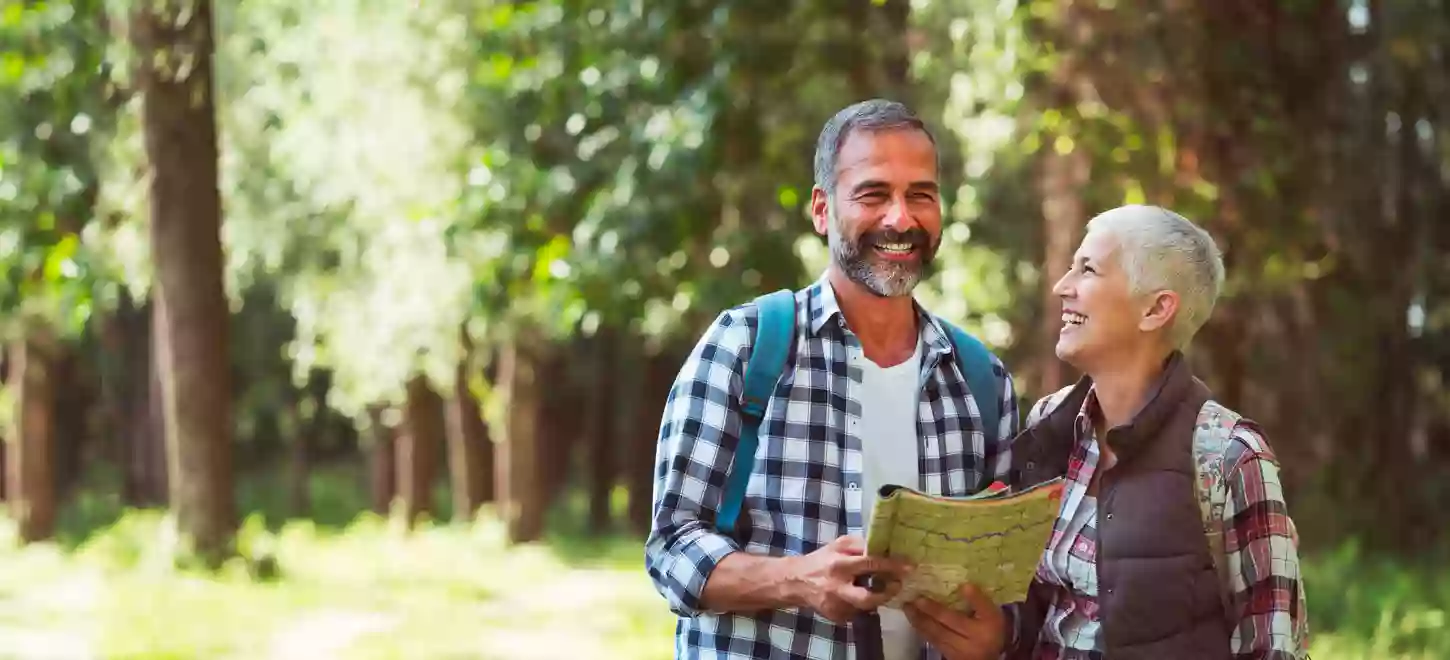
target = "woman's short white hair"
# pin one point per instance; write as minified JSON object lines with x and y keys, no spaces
{"x":1160,"y":250}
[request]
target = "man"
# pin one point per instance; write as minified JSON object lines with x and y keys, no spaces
{"x":871,"y":394}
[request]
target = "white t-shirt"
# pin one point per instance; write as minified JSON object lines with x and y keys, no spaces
{"x":889,"y":456}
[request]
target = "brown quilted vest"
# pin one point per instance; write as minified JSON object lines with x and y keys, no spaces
{"x":1158,"y":593}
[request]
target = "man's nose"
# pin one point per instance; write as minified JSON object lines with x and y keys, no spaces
{"x":898,"y":217}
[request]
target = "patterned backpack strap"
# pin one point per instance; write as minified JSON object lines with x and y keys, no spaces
{"x":1212,"y":435}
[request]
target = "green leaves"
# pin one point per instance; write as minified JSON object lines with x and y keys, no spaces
{"x":53,"y":108}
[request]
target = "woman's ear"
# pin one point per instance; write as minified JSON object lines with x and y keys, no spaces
{"x":1162,"y":307}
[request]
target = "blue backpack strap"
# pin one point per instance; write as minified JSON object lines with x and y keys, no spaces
{"x":774,"y":335}
{"x":976,"y":364}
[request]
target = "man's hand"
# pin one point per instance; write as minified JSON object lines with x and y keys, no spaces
{"x":824,"y":580}
{"x":976,"y":635}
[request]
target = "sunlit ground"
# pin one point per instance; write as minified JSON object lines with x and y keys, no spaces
{"x":370,"y":590}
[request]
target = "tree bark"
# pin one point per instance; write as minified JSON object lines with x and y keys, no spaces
{"x":131,"y":392}
{"x":174,"y":47}
{"x":151,"y":432}
{"x":521,"y":493}
{"x":467,"y":444}
{"x":560,"y":420}
{"x":599,"y":433}
{"x":659,"y":376}
{"x":382,"y":464}
{"x":71,"y":408}
{"x":1063,"y":216}
{"x":419,"y":448}
{"x":31,"y":478}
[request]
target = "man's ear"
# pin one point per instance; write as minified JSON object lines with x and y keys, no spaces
{"x":820,"y":210}
{"x":1161,"y":310}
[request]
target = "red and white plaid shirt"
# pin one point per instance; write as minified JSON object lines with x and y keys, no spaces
{"x":1259,"y":541}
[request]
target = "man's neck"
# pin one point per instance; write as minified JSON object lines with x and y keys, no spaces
{"x":886,"y":326}
{"x":1123,"y":389}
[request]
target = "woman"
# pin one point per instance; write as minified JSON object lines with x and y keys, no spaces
{"x":1129,"y":570}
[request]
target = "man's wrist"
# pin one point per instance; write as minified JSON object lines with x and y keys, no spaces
{"x":782,"y":574}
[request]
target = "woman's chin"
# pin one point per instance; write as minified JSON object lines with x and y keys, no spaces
{"x":1068,"y":350}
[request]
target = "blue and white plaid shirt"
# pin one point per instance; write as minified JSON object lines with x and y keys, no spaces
{"x":805,"y":488}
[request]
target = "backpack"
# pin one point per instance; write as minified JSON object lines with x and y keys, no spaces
{"x":775,"y":334}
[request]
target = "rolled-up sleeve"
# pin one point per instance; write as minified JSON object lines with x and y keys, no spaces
{"x":698,"y":434}
{"x":1261,"y":549}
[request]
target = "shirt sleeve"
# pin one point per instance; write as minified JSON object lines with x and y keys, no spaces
{"x":1262,"y":556}
{"x":698,"y":434}
{"x":1000,"y":455}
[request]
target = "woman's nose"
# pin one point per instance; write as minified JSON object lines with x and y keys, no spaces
{"x":1063,"y":288}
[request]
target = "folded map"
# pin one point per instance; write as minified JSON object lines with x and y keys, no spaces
{"x":994,"y":539}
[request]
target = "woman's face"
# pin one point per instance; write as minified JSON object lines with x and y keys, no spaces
{"x":1100,"y":316}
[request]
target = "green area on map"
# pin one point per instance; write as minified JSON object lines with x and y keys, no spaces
{"x":993,"y":539}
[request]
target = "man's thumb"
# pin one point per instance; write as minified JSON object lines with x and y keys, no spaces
{"x":850,"y":545}
{"x":980,"y":603}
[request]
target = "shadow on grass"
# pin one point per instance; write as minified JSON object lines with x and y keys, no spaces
{"x":338,"y":495}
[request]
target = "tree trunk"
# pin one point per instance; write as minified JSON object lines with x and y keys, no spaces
{"x":152,"y":434}
{"x":31,"y":478}
{"x":134,"y":402}
{"x":521,"y":493}
{"x":560,"y":421}
{"x":599,"y":433}
{"x":382,"y":464}
{"x":419,"y":448}
{"x":175,"y":79}
{"x":1063,"y":217}
{"x":71,"y":409}
{"x":659,"y":376}
{"x":299,"y":456}
{"x":467,"y":444}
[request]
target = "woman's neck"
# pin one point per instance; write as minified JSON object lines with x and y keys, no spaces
{"x":1123,"y":389}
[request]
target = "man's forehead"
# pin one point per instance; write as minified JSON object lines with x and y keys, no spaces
{"x":910,"y":148}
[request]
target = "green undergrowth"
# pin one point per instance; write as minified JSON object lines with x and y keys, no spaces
{"x":1377,"y":607}
{"x":369,"y":590}
{"x":357,"y":586}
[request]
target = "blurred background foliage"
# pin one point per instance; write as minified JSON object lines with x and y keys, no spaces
{"x":466,"y":244}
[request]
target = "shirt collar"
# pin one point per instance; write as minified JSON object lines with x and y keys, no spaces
{"x":824,"y":307}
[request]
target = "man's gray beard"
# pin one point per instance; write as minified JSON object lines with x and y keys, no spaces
{"x":882,"y":278}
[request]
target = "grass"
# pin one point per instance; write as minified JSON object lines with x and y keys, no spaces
{"x":373,"y":588}
{"x":360,"y":587}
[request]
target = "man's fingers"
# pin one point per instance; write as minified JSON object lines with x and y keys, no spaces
{"x":849,"y":545}
{"x":893,"y":587}
{"x":930,"y":628}
{"x":862,"y":564}
{"x":860,"y":598}
{"x":958,"y":622}
{"x":980,"y":604}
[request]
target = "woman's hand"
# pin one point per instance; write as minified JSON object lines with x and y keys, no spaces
{"x":976,"y":635}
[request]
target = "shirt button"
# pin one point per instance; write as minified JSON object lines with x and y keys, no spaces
{"x":1110,"y":516}
{"x":1031,"y":465}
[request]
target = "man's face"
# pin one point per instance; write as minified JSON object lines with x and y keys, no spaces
{"x":883,"y":221}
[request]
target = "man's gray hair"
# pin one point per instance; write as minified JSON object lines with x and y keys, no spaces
{"x":1162,"y":250}
{"x":870,"y":115}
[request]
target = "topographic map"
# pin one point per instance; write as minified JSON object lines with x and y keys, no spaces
{"x":994,"y":539}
